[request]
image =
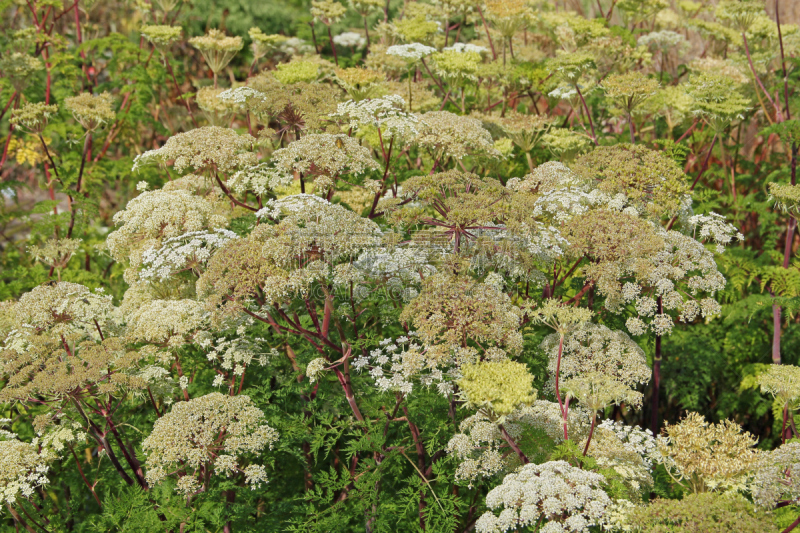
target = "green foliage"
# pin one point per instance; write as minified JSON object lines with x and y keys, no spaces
{"x":534,"y":188}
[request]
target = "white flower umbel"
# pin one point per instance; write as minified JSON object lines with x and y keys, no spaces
{"x":214,"y":430}
{"x":323,"y":153}
{"x":568,"y":498}
{"x":23,"y":468}
{"x":186,"y":252}
{"x":350,"y":39}
{"x":462,"y":47}
{"x":412,"y":51}
{"x":635,"y":439}
{"x":384,"y":113}
{"x":261,"y":179}
{"x":713,"y":227}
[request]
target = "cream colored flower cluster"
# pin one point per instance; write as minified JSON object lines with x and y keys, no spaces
{"x":323,"y":153}
{"x":683,"y":260}
{"x":452,"y":311}
{"x":411,"y":51}
{"x":214,"y":432}
{"x":595,"y":348}
{"x":33,"y":116}
{"x":91,"y":110}
{"x":209,"y":100}
{"x":154,"y":216}
{"x":775,"y":480}
{"x":166,"y":322}
{"x":596,"y":391}
{"x":714,"y":228}
{"x":234,"y":355}
{"x":397,"y":271}
{"x":704,"y":456}
{"x":547,"y":177}
{"x":314,"y":368}
{"x":350,"y":39}
{"x":261,"y":179}
{"x":385,"y":113}
{"x":311,"y":226}
{"x":397,"y":362}
{"x":445,"y":133}
{"x":64,"y":308}
{"x":561,"y":318}
{"x":611,"y":452}
{"x":477,"y":448}
{"x":634,"y":439}
{"x":53,"y":366}
{"x":783,"y":382}
{"x":457,"y":66}
{"x":189,"y":251}
{"x":161,"y":36}
{"x":242,"y":271}
{"x":481,"y":451}
{"x":568,"y":498}
{"x":546,"y":416}
{"x":407,"y":264}
{"x":217,"y":49}
{"x":210,"y":148}
{"x":23,"y":469}
{"x":243,"y":97}
{"x":536,"y":242}
{"x":159,"y":381}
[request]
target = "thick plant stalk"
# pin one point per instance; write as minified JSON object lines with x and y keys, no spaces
{"x":558,"y":372}
{"x":656,"y":378}
{"x":488,"y":35}
{"x":783,"y":426}
{"x":314,"y":37}
{"x":86,"y":481}
{"x":18,"y":519}
{"x":100,"y":437}
{"x":333,"y":46}
{"x":588,"y":114}
{"x":87,"y":146}
{"x":591,"y":434}
{"x":630,"y":128}
{"x":8,"y":104}
{"x":792,"y":525}
{"x":787,"y":249}
{"x":514,"y":445}
{"x":420,"y":466}
{"x":779,"y":115}
{"x":366,"y":31}
{"x":699,"y":175}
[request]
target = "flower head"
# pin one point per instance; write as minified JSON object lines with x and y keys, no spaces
{"x":498,"y":385}
{"x":162,"y":36}
{"x":212,"y":430}
{"x":91,"y":111}
{"x":217,"y":48}
{"x":568,"y":497}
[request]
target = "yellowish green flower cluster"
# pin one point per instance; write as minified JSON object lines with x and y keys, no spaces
{"x":500,"y":386}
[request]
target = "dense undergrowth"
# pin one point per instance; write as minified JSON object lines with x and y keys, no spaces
{"x":440,"y":266}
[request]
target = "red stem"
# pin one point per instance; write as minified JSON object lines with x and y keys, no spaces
{"x":588,"y":114}
{"x":86,"y":481}
{"x":488,"y":36}
{"x":591,"y":433}
{"x":514,"y":445}
{"x":333,"y":45}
